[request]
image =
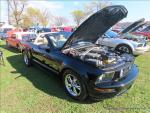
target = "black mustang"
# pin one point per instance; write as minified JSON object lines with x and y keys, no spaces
{"x":86,"y":69}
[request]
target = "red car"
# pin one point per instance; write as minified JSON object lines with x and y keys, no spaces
{"x":145,"y":32}
{"x":16,"y":39}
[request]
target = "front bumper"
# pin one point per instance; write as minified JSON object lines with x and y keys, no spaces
{"x":114,"y":88}
{"x":141,"y":50}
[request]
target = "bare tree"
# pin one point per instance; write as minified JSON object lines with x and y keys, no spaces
{"x":27,"y":22}
{"x":44,"y":17}
{"x":17,"y":7}
{"x":60,"y":20}
{"x":35,"y":16}
{"x":95,"y":6}
{"x":78,"y":16}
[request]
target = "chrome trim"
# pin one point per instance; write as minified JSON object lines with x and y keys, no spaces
{"x":46,"y":66}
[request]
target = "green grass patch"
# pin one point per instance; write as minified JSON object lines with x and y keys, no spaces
{"x":33,"y":90}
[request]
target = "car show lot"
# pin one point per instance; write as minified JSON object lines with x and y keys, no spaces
{"x":26,"y":89}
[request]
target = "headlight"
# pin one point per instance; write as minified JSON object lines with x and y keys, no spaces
{"x":106,"y":77}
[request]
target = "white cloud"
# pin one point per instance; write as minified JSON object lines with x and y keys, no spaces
{"x":52,"y":6}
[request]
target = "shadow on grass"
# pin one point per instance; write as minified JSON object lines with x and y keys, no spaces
{"x":11,"y":49}
{"x":42,"y":79}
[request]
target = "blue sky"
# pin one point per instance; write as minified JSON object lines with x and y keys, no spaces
{"x":136,"y":9}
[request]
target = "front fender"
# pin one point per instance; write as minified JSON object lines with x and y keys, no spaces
{"x":82,"y":68}
{"x":130,"y":43}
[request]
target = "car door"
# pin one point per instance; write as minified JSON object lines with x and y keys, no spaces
{"x":43,"y":53}
{"x":12,"y":40}
{"x":51,"y":60}
{"x":38,"y":49}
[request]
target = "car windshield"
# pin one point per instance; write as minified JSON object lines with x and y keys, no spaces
{"x":46,"y":30}
{"x":5,"y":30}
{"x":58,"y":39}
{"x":28,"y":37}
{"x":111,"y":34}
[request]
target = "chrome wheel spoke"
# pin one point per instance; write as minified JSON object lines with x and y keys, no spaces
{"x":72,"y":85}
{"x":78,"y":87}
{"x":69,"y":79}
{"x":75,"y":90}
{"x":124,"y":49}
{"x":25,"y":59}
{"x":74,"y":80}
{"x":69,"y":85}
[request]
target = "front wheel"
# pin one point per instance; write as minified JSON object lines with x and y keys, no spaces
{"x":124,"y":49}
{"x":26,"y":58}
{"x":74,"y":86}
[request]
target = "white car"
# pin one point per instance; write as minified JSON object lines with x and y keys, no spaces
{"x":124,"y":42}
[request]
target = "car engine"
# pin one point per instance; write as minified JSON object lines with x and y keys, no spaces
{"x":98,"y":56}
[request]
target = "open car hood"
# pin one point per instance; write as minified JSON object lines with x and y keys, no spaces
{"x":97,"y":24}
{"x":137,"y":27}
{"x":132,"y":26}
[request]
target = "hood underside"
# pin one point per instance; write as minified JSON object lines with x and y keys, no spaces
{"x":137,"y":27}
{"x":132,"y":26}
{"x":97,"y":24}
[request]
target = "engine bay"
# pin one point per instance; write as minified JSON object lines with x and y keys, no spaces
{"x":98,"y":56}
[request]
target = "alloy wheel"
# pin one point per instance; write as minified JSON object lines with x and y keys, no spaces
{"x":26,"y":60}
{"x":124,"y":49}
{"x":72,"y":85}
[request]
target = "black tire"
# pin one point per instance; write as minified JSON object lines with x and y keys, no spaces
{"x":128,"y":49}
{"x":27,"y":59}
{"x":83,"y":91}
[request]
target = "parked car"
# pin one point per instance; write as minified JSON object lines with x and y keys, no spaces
{"x":4,"y":29}
{"x":86,"y":69}
{"x":14,"y":31}
{"x":145,"y":32}
{"x":117,"y":30}
{"x":130,"y":32}
{"x":3,"y":33}
{"x":125,"y":41}
{"x":16,"y":39}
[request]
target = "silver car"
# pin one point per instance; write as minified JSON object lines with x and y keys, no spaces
{"x":125,"y":41}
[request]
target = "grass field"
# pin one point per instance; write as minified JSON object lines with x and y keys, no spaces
{"x":33,"y":90}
